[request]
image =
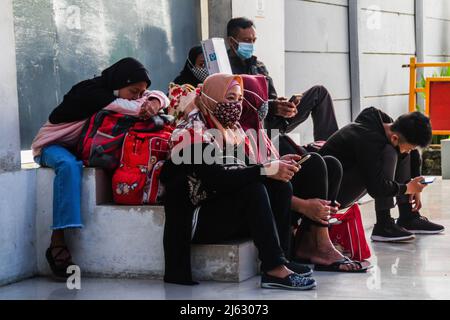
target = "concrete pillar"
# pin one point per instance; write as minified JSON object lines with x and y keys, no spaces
{"x":9,"y":118}
{"x":268,"y":17}
{"x":445,"y":152}
{"x":354,"y":8}
{"x":219,"y":14}
{"x":420,"y":44}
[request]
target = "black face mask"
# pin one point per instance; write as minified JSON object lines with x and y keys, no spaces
{"x":200,"y":73}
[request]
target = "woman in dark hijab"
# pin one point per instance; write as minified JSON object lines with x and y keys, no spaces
{"x":90,"y":96}
{"x":194,"y":71}
{"x":120,"y":88}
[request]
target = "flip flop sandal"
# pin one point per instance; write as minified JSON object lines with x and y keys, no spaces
{"x":59,"y":265}
{"x":336,"y":267}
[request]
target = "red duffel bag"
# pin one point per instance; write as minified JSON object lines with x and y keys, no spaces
{"x":136,"y":181}
{"x":102,"y":136}
{"x":348,"y":236}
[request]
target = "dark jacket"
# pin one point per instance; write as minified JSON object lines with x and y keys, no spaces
{"x":360,"y":145}
{"x":179,"y":210}
{"x":253,"y":66}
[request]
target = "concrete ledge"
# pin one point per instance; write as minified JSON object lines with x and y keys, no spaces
{"x":231,"y":262}
{"x":127,"y":241}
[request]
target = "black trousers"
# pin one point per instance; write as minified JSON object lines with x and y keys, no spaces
{"x":399,"y":168}
{"x":261,"y":211}
{"x":318,"y":103}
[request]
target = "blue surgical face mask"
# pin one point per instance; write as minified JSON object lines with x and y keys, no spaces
{"x":245,"y":50}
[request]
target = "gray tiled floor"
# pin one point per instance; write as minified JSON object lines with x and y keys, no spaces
{"x":417,"y":270}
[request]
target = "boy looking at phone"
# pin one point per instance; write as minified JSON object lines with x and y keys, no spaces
{"x":283,"y":114}
{"x":380,"y":157}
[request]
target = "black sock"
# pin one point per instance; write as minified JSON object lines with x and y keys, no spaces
{"x":405,"y":210}
{"x":383,"y":216}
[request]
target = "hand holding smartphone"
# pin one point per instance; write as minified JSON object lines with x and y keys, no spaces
{"x":295,"y":97}
{"x":428,"y":180}
{"x":304,"y":159}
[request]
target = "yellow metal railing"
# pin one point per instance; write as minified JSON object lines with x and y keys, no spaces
{"x":413,"y":90}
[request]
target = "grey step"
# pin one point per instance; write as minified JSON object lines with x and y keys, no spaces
{"x":127,"y":241}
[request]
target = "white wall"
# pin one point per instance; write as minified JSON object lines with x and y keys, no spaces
{"x":387,"y":41}
{"x":17,"y":188}
{"x":317,"y":53}
{"x":270,"y":32}
{"x":9,"y":120}
{"x":437,"y":31}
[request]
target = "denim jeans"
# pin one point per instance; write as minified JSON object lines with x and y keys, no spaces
{"x":66,"y":186}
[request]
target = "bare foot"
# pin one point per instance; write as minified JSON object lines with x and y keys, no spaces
{"x":321,"y":252}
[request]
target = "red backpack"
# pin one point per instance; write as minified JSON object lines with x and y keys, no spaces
{"x":136,"y":181}
{"x":349,"y":235}
{"x":102,"y":137}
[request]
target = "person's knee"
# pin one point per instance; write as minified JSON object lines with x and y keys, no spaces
{"x":253,"y":191}
{"x":283,"y":188}
{"x":316,"y":163}
{"x":69,"y":165}
{"x":333,"y":164}
{"x":321,"y":90}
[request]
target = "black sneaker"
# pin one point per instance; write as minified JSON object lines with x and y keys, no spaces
{"x":293,"y":281}
{"x":300,"y":269}
{"x":390,"y":232}
{"x":421,"y":225}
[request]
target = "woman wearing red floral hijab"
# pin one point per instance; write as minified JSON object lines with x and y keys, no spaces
{"x":209,"y":202}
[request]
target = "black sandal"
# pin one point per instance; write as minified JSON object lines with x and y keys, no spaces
{"x":58,"y":265}
{"x":336,"y":266}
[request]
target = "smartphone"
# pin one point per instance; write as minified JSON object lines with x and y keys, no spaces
{"x":334,"y":221}
{"x":295,"y":97}
{"x":428,"y":180}
{"x":304,"y":159}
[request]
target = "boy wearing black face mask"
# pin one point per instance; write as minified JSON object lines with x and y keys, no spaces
{"x":380,"y":157}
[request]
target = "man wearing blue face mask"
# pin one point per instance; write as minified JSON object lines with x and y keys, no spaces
{"x":284,"y":114}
